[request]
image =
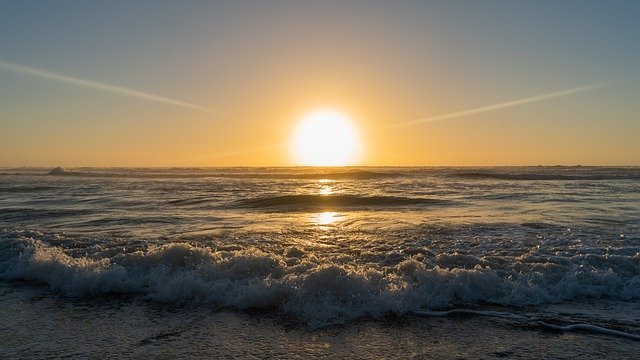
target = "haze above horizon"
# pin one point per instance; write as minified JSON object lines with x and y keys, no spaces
{"x":168,"y":84}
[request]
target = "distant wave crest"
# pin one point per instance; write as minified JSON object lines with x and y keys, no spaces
{"x":304,"y":202}
{"x":25,"y":189}
{"x":488,"y":175}
{"x":190,"y":173}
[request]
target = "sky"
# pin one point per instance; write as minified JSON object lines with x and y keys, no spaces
{"x":224,"y":83}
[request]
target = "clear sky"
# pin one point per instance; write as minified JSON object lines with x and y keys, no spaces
{"x":217,"y":83}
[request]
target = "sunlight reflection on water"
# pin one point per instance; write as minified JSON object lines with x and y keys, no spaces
{"x":325,"y":218}
{"x":325,"y":188}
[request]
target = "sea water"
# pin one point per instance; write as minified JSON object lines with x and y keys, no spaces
{"x":293,"y":262}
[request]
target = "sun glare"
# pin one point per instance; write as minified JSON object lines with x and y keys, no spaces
{"x":326,"y":218}
{"x":325,"y":138}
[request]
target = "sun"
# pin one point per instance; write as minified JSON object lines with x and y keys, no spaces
{"x":325,"y":138}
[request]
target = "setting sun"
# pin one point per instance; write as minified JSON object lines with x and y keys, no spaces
{"x":325,"y":179}
{"x":325,"y":138}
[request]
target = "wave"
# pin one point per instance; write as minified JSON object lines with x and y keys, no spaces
{"x":314,"y":291}
{"x":189,"y":201}
{"x":531,"y":320}
{"x":487,"y":175}
{"x":25,"y":213}
{"x":246,"y":174}
{"x":25,"y":189}
{"x":496,"y":173}
{"x":311,"y":202}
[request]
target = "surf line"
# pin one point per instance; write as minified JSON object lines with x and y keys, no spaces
{"x":532,"y":320}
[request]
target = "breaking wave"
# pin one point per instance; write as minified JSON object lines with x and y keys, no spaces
{"x":315,"y":291}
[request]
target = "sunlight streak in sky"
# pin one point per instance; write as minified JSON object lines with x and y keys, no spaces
{"x":503,"y":105}
{"x":102,"y":86}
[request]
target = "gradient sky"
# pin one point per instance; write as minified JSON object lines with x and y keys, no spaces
{"x":204,"y":83}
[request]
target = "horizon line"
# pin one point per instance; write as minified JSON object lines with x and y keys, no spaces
{"x":296,"y":166}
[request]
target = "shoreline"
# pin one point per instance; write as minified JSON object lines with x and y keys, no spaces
{"x":32,"y":321}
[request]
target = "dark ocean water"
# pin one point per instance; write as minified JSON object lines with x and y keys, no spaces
{"x":530,"y":249}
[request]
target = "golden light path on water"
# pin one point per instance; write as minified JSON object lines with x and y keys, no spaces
{"x":325,"y":187}
{"x":326,"y":217}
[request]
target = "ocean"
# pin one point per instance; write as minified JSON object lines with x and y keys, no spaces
{"x":296,"y":262}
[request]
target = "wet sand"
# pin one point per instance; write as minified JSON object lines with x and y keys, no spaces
{"x":117,"y":328}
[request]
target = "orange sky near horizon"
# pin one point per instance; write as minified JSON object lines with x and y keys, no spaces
{"x":425,"y":84}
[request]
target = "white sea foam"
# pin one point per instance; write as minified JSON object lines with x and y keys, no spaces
{"x":314,"y":289}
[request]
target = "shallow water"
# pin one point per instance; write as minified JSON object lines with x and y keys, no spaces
{"x":363,"y":249}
